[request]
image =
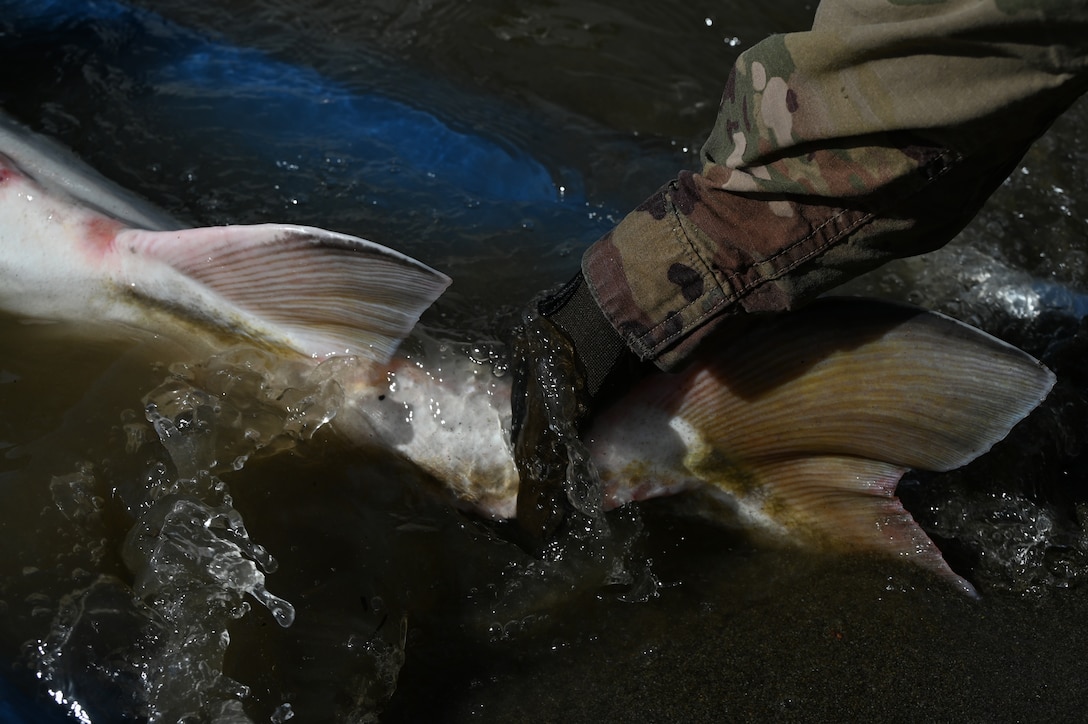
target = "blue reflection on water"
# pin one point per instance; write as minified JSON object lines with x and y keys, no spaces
{"x":260,"y":102}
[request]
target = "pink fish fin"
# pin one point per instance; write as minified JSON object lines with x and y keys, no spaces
{"x":317,"y":292}
{"x":854,"y":388}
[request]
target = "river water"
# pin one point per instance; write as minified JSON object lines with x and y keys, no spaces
{"x":161,"y":522}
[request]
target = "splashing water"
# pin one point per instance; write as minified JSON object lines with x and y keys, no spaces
{"x":191,"y":535}
{"x":185,"y":539}
{"x":214,"y":415}
{"x":154,"y":648}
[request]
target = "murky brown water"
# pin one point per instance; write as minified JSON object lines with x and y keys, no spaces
{"x":406,"y":607}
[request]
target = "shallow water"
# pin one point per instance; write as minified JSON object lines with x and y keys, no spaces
{"x":407,"y":609}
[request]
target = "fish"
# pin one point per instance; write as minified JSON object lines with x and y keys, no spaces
{"x":800,"y":428}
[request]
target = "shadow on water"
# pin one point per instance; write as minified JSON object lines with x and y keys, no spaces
{"x":409,"y":608}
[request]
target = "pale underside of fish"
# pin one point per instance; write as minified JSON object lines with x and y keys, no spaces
{"x":802,"y":427}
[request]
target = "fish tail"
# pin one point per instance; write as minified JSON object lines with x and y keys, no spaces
{"x":807,"y":423}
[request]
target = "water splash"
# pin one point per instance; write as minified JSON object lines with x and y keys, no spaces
{"x":215,"y":415}
{"x":1011,"y":541}
{"x":153,"y":649}
{"x":182,"y":545}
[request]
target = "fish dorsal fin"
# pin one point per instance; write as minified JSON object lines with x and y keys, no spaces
{"x":318,"y":292}
{"x":806,"y":423}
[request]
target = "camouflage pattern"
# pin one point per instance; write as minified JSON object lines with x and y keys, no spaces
{"x":877,"y":134}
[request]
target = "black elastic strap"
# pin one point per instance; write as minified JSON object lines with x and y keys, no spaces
{"x":598,"y":345}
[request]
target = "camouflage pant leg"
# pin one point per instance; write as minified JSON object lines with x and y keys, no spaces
{"x":877,"y":134}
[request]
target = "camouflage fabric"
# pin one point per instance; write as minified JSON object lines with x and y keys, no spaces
{"x":877,"y":134}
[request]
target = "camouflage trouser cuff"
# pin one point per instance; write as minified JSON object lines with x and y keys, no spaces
{"x":652,"y":282}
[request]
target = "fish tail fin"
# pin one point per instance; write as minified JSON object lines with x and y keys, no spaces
{"x":807,"y":423}
{"x":849,"y":504}
{"x":317,"y":292}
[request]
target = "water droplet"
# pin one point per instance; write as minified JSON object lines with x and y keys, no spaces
{"x":282,"y":713}
{"x":281,"y":610}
